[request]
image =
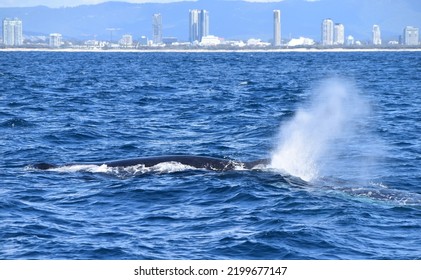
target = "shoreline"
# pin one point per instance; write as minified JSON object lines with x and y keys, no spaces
{"x":294,"y":50}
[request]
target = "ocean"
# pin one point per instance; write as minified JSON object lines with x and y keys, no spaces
{"x":342,"y":130}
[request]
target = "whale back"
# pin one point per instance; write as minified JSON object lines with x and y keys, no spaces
{"x":44,"y":166}
{"x":201,"y":162}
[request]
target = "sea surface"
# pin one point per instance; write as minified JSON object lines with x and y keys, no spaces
{"x":343,"y":131}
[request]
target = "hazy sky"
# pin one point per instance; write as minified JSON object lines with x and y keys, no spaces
{"x":71,"y":3}
{"x":357,"y":15}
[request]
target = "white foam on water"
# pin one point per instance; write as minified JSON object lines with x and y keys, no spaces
{"x":170,"y":167}
{"x":164,"y":167}
{"x":82,"y":168}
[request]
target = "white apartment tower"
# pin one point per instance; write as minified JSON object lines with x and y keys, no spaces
{"x":198,"y":25}
{"x":411,"y":36}
{"x":12,"y":32}
{"x":327,"y":32}
{"x":157,"y":28}
{"x":203,"y":24}
{"x":339,"y":34}
{"x":277,"y":28}
{"x":193,"y":26}
{"x":377,"y":37}
{"x":55,"y":40}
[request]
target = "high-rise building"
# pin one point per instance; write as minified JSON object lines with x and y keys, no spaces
{"x":12,"y":32}
{"x":198,"y":25}
{"x":203,"y":24}
{"x":55,"y":40}
{"x":327,"y":32}
{"x":377,"y":37}
{"x":339,"y":34}
{"x":157,"y":29}
{"x":276,"y":28}
{"x":193,"y":25}
{"x":411,"y":36}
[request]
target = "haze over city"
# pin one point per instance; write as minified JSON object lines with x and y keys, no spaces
{"x":229,"y":19}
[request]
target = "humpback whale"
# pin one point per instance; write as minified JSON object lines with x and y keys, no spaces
{"x":202,"y":162}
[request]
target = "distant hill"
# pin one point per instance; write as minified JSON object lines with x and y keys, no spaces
{"x":228,"y":19}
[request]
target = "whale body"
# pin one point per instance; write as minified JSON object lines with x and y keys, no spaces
{"x":202,"y":162}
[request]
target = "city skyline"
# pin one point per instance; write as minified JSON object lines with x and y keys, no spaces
{"x":332,"y":34}
{"x":180,"y":29}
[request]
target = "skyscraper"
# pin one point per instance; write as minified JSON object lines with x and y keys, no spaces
{"x":193,"y":25}
{"x":411,"y":36}
{"x":198,"y":25}
{"x":327,"y":32}
{"x":377,"y":38}
{"x":157,"y":28}
{"x":203,"y":24}
{"x":276,"y":28}
{"x":339,"y":34}
{"x":12,"y":32}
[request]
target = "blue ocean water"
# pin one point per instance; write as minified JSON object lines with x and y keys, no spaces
{"x":343,"y":130}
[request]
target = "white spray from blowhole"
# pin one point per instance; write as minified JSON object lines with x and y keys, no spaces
{"x":315,"y":139}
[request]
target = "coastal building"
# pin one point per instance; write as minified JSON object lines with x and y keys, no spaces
{"x":157,"y":29}
{"x":204,"y":24}
{"x":95,"y":45}
{"x":55,"y":40}
{"x":350,"y":40}
{"x":126,"y":41}
{"x":235,"y":43}
{"x":210,"y":41}
{"x":194,"y":26}
{"x":300,"y":42}
{"x":12,"y":32}
{"x":198,"y":25}
{"x":256,"y":43}
{"x":411,"y":36}
{"x":377,"y":39}
{"x":169,"y":40}
{"x":327,"y":32}
{"x":143,"y":41}
{"x":276,"y":28}
{"x":339,"y":34}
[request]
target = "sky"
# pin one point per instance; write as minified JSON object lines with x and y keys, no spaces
{"x":72,"y":3}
